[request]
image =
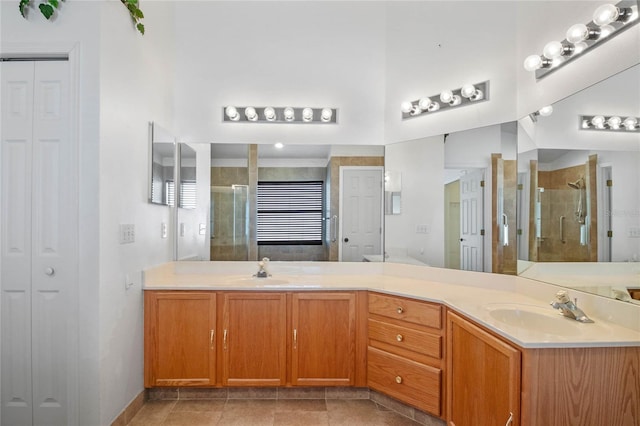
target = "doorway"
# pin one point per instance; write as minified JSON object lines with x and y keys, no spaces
{"x":361,"y":212}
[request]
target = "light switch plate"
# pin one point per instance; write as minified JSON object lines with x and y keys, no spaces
{"x":163,"y":230}
{"x":127,"y":233}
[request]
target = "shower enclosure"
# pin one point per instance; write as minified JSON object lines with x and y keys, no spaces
{"x":229,"y":222}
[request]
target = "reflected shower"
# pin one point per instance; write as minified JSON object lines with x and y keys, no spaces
{"x":579,"y":213}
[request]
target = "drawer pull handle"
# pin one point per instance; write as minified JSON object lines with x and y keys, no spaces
{"x":399,"y":337}
{"x":398,"y":379}
{"x":211,"y":336}
{"x":510,"y":419}
{"x":400,"y":310}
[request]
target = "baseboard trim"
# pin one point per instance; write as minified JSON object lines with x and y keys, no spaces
{"x":131,"y":409}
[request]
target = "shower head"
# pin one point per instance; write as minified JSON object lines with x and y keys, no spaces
{"x":577,"y":184}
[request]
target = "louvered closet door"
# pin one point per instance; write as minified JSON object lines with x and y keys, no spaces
{"x":39,"y":239}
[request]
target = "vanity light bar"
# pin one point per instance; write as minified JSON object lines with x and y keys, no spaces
{"x":611,"y":123}
{"x":446,"y":100}
{"x":250,"y":114}
{"x":608,"y":21}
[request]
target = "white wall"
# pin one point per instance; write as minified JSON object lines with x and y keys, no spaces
{"x":438,"y":45}
{"x":280,"y":53}
{"x":420,"y":163}
{"x":135,"y":87}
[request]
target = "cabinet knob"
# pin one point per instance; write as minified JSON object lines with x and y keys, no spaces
{"x":398,"y":379}
{"x":49,"y":271}
{"x":399,"y":310}
{"x":399,"y":337}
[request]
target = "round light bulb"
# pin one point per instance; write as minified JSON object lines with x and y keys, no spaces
{"x":598,"y":121}
{"x":579,"y":47}
{"x":553,"y":50}
{"x":278,"y":145}
{"x":416,"y":110}
{"x":630,"y":123}
{"x":406,"y":107}
{"x":614,"y":122}
{"x":326,"y":114}
{"x":433,"y":107}
{"x":307,"y":114}
{"x":468,"y":90}
{"x":478,"y":95}
{"x":446,"y":96}
{"x":577,"y":33}
{"x":455,"y":100}
{"x":232,"y":113}
{"x":533,"y":62}
{"x":424,"y":103}
{"x":269,"y":114}
{"x":606,"y":31}
{"x":546,"y":111}
{"x":289,"y":114}
{"x":605,"y":14}
{"x":250,"y":113}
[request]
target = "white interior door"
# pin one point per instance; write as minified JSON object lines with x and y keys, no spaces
{"x":471,"y":221}
{"x":39,"y":243}
{"x":360,"y":212}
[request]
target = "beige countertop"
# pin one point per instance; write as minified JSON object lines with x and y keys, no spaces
{"x":483,"y":297}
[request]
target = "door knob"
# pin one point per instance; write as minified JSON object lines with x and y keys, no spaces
{"x":461,"y":239}
{"x":49,"y":271}
{"x":346,"y":240}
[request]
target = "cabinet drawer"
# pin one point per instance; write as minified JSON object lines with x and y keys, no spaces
{"x":408,"y":381}
{"x":404,"y":341}
{"x":413,"y":311}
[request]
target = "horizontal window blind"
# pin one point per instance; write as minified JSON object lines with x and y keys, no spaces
{"x":289,"y":212}
{"x":188,"y":194}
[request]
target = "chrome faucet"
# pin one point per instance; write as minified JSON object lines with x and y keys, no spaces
{"x":568,"y":308}
{"x":262,"y":269}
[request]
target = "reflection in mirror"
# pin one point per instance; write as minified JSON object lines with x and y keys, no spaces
{"x":188,"y":182}
{"x":162,"y":166}
{"x":229,"y":202}
{"x":580,"y":197}
{"x":392,"y":192}
{"x":248,"y":200}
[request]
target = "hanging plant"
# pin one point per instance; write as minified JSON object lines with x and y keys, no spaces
{"x":49,"y":7}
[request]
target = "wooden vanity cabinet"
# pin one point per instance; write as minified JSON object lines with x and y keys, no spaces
{"x":405,"y":350}
{"x":262,"y":338}
{"x":483,"y":376}
{"x":179,"y":338}
{"x":323,"y":351}
{"x":254,"y":332}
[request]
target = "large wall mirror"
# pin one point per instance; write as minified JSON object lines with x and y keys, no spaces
{"x":292,"y":202}
{"x":579,"y":197}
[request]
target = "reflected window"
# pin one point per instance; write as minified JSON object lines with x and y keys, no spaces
{"x":289,"y":212}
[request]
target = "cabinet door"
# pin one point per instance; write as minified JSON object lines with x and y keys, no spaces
{"x":254,"y":339}
{"x":179,"y":338}
{"x":323,"y":348}
{"x":483,"y":374}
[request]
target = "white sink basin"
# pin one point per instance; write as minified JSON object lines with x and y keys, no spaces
{"x":534,"y":318}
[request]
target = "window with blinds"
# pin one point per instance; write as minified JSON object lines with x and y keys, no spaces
{"x":289,"y":212}
{"x":188,"y":194}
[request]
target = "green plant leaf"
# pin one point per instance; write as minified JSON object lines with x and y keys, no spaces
{"x":46,"y":10}
{"x":24,"y":4}
{"x":140,"y":28}
{"x":139,"y":14}
{"x":54,"y":3}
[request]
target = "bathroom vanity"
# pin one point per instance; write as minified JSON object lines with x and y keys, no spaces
{"x":470,"y":348}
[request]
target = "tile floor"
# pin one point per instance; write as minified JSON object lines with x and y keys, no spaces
{"x":257,"y":412}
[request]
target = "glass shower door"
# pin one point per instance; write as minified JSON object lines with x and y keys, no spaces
{"x":230,"y":222}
